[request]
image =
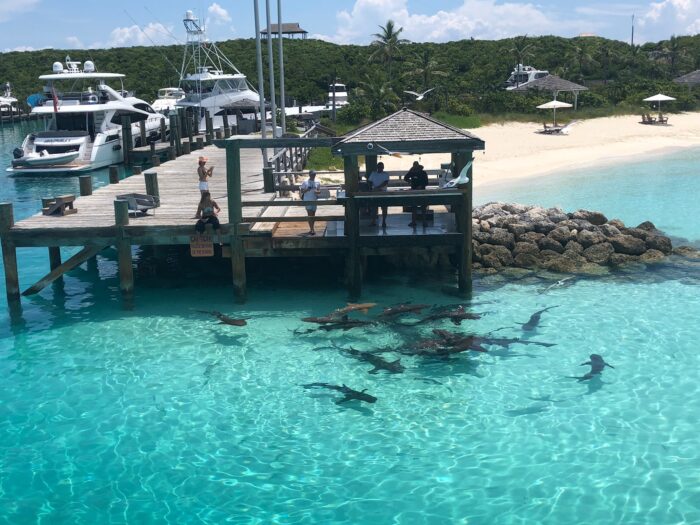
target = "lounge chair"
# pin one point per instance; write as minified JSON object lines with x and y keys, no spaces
{"x":139,"y":202}
{"x":662,"y":119}
{"x":650,"y":119}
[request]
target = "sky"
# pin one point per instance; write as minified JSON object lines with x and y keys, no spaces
{"x":72,"y":24}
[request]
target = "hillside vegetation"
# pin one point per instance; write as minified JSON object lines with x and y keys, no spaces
{"x":468,"y":75}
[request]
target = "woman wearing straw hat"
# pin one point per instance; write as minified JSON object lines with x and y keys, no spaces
{"x":204,"y":174}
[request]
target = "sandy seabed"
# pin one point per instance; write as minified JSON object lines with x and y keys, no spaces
{"x":515,"y":150}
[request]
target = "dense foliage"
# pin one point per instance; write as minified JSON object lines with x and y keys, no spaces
{"x":467,"y":75}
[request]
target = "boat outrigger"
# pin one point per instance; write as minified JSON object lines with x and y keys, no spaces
{"x":83,"y":123}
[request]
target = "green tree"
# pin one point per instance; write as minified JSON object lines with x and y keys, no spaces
{"x":388,"y":45}
{"x":521,"y":50}
{"x":673,"y":52}
{"x":424,"y":67}
{"x":377,"y":93}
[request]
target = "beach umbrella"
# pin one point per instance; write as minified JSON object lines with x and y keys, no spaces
{"x":659,"y":98}
{"x":554,"y":105}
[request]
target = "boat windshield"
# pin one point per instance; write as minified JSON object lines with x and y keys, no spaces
{"x":212,"y":86}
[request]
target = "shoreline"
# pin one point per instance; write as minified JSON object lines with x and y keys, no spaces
{"x":515,"y":152}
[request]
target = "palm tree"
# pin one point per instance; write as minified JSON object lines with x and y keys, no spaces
{"x":521,"y":50}
{"x":388,"y":45}
{"x":378,"y":95}
{"x":583,"y":59}
{"x":673,"y":51}
{"x":424,"y":67}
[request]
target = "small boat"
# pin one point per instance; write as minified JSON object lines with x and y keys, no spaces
{"x":44,"y":158}
{"x":522,"y":75}
{"x":167,"y":99}
{"x":8,"y":103}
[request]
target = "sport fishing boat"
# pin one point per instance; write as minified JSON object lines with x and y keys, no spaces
{"x":8,"y":103}
{"x":167,"y":98}
{"x":522,"y":75}
{"x":207,"y":87}
{"x":83,"y":122}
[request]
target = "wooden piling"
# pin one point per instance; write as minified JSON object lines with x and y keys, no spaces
{"x":127,"y":140}
{"x":163,"y":130}
{"x":142,"y":132}
{"x":54,"y":257}
{"x":352,"y":227}
{"x":9,"y":253}
{"x":186,"y":148}
{"x":85,"y":182}
{"x":227,"y":128}
{"x":463,"y":219}
{"x":113,"y":175}
{"x":136,"y":170}
{"x":126,"y":270}
{"x":370,"y":164}
{"x":200,"y":143}
{"x":268,"y":180}
{"x":174,"y":138}
{"x":209,"y":128}
{"x":172,"y":153}
{"x":152,"y":147}
{"x":219,"y":133}
{"x":151,"y":178}
{"x":235,"y":216}
{"x":155,"y":160}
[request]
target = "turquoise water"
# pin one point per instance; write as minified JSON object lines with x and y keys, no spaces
{"x":161,"y":415}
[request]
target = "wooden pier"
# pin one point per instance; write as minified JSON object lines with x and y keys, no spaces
{"x":254,"y":222}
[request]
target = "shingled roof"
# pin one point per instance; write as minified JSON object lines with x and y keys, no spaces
{"x":551,"y":83}
{"x":287,"y":28}
{"x":407,"y":131}
{"x":692,"y":79}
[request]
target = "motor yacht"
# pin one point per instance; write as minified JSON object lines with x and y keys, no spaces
{"x":207,"y":87}
{"x":83,"y":122}
{"x":341,"y":95}
{"x":522,"y":75}
{"x":167,"y":98}
{"x":8,"y":103}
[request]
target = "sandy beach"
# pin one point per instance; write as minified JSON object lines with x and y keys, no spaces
{"x":514,"y":150}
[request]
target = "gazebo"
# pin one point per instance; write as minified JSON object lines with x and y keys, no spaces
{"x":690,"y":79}
{"x":405,"y":132}
{"x":289,"y":29}
{"x":555,"y":85}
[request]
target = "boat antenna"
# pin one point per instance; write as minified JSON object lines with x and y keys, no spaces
{"x":152,"y":42}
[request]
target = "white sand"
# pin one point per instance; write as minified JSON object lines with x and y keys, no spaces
{"x":515,"y":151}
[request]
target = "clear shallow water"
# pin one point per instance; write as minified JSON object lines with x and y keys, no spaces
{"x":161,"y":415}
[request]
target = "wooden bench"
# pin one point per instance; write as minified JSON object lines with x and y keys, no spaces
{"x":61,"y":205}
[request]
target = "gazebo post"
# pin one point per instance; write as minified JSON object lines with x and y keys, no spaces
{"x":352,"y":227}
{"x":463,"y":220}
{"x":370,"y":164}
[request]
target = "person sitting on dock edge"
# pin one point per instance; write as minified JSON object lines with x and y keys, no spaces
{"x":418,"y":179}
{"x":206,"y":213}
{"x":310,"y":189}
{"x":379,"y":181}
{"x":204,"y":174}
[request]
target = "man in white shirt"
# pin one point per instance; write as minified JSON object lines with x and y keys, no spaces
{"x":379,"y":181}
{"x":310,"y":189}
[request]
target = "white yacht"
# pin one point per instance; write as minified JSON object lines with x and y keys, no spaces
{"x":341,"y":95}
{"x":206,"y":85}
{"x":167,"y":98}
{"x":522,"y":75}
{"x":8,"y":103}
{"x":83,"y":122}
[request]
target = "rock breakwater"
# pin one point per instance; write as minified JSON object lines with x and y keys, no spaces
{"x":586,"y":242}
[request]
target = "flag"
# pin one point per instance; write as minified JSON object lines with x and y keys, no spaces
{"x":55,"y":100}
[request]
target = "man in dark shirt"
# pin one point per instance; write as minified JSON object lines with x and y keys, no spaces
{"x":418,"y":179}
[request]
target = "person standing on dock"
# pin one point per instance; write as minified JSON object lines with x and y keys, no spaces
{"x":206,"y":213}
{"x":379,"y":181}
{"x":310,"y":190}
{"x":418,"y":179}
{"x":204,"y":174}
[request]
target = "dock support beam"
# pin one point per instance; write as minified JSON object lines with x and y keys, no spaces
{"x":352,"y":228}
{"x":151,"y":178}
{"x":268,"y":180}
{"x":9,"y":253}
{"x":126,"y":270}
{"x":235,"y":216}
{"x":370,"y":164}
{"x":85,"y":182}
{"x":464,"y":225}
{"x":54,"y":257}
{"x":113,"y":175}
